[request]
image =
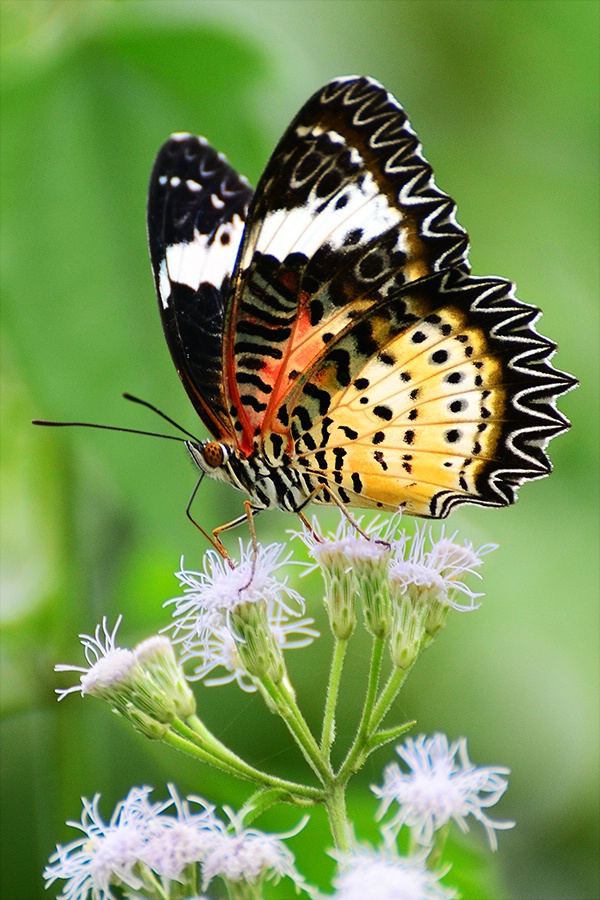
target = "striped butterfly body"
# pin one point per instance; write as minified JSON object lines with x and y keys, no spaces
{"x":327,"y":328}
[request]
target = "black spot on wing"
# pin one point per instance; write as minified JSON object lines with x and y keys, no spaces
{"x":379,"y":457}
{"x":383,"y":412}
{"x":357,"y":485}
{"x":322,"y":397}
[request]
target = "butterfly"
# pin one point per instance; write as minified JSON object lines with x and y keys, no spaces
{"x":327,"y":328}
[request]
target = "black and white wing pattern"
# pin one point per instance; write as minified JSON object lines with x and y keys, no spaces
{"x":197,"y":208}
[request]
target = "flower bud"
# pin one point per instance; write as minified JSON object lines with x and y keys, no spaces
{"x":157,"y":658}
{"x":257,"y":647}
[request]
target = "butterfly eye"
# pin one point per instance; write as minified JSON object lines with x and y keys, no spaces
{"x":213,"y":454}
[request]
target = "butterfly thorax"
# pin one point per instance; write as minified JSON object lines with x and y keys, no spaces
{"x":269,"y":485}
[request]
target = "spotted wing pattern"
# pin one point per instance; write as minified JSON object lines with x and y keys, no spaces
{"x":328,"y":329}
{"x":454,"y":406}
{"x":358,"y":347}
{"x":197,"y":208}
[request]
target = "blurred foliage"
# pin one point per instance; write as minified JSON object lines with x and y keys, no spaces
{"x":504,"y":96}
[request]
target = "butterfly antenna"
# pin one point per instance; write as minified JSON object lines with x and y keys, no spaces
{"x":160,"y":413}
{"x":166,"y":437}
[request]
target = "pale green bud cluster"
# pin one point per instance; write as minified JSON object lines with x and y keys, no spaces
{"x":256,"y":644}
{"x":145,"y":685}
{"x":340,"y":593}
{"x":405,"y":590}
{"x":371,"y":572}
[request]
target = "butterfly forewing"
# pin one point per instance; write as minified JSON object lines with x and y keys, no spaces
{"x":197,"y":209}
{"x":347,"y":212}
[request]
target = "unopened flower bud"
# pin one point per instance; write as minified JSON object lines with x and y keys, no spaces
{"x":257,"y":647}
{"x":157,"y":658}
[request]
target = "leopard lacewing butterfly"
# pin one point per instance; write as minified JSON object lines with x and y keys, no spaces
{"x":328,"y":331}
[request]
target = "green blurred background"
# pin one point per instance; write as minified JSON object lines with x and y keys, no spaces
{"x":504,"y":96}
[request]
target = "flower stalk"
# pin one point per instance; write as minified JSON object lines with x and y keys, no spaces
{"x":331,"y":697}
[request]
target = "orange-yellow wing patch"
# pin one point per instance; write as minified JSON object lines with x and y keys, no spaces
{"x":424,"y":420}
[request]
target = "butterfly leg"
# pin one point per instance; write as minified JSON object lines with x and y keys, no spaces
{"x":336,"y":500}
{"x":248,"y":516}
{"x":304,"y":520}
{"x":214,"y":540}
{"x":346,"y":512}
{"x":251,"y":511}
{"x":308,"y":526}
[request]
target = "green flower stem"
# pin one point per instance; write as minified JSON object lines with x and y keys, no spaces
{"x":289,"y":711}
{"x":195,"y":730}
{"x":374,"y":673}
{"x":245,"y":890}
{"x":335,"y":675}
{"x":435,"y":856}
{"x":364,"y":730}
{"x":198,"y":726}
{"x":335,"y":802}
{"x":210,"y":750}
{"x":397,"y":678}
{"x":158,"y":890}
{"x":175,"y":739}
{"x":191,"y":887}
{"x":387,"y":696}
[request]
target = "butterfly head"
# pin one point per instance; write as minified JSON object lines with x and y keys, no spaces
{"x":267,"y":485}
{"x":210,"y":456}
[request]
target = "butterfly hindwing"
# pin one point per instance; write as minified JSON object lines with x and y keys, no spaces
{"x":453,"y":402}
{"x":197,"y":209}
{"x":360,"y":345}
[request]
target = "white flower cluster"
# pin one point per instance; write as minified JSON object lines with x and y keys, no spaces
{"x":168,"y":840}
{"x":420,"y":561}
{"x":143,"y":842}
{"x":202,"y":616}
{"x":383,"y":874}
{"x":440,"y":788}
{"x":405,"y":585}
